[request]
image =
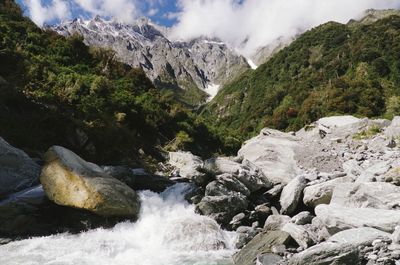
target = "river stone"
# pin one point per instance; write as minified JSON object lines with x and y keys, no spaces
{"x":68,"y":180}
{"x":302,"y":218}
{"x":300,"y":234}
{"x":396,"y":235}
{"x":139,"y":181}
{"x":338,"y":218}
{"x":274,"y":153}
{"x":223,"y":208}
{"x":327,"y":253}
{"x":393,"y":131}
{"x":225,"y":184}
{"x":291,"y":194}
{"x":276,"y":222}
{"x":359,"y":236}
{"x":186,"y":164}
{"x":379,"y":195}
{"x":221,"y":165}
{"x":268,"y":259}
{"x":260,"y":244}
{"x":17,"y":170}
{"x":322,"y":193}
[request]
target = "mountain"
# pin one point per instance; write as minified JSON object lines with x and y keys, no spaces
{"x":332,"y":69}
{"x":57,"y":91}
{"x":191,"y":69}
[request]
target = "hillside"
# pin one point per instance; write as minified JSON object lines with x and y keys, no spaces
{"x":331,"y":69}
{"x":58,"y":91}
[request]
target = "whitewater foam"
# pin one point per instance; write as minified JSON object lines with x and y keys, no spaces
{"x":168,"y":232}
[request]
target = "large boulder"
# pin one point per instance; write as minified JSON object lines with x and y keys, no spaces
{"x":223,"y":208}
{"x":359,"y":236}
{"x":276,"y":222}
{"x":69,"y":180}
{"x":17,"y":170}
{"x":303,"y":236}
{"x":137,"y":180}
{"x":327,"y":253}
{"x":322,"y":193}
{"x":221,"y":165}
{"x":225,"y":184}
{"x":337,"y":218}
{"x":377,"y":195}
{"x":291,"y":194}
{"x":186,"y":164}
{"x":393,"y":131}
{"x":259,"y":245}
{"x":274,"y":153}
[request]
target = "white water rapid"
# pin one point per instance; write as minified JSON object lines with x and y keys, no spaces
{"x":168,"y":232}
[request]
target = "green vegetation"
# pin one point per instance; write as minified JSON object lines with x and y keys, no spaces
{"x":331,"y":69}
{"x":368,"y":133}
{"x":55,"y":90}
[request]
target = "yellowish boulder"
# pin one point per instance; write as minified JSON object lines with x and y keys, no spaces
{"x":69,"y":180}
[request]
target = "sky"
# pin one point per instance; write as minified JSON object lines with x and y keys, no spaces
{"x":245,"y":25}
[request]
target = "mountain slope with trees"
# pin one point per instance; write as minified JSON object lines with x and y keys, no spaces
{"x":331,"y":69}
{"x":58,"y":91}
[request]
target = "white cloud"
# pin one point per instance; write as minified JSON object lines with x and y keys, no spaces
{"x":40,"y":13}
{"x":250,"y":24}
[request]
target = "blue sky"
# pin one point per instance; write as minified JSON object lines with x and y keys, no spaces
{"x":160,"y":11}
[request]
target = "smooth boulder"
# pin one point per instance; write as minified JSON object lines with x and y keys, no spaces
{"x":69,"y":180}
{"x":291,"y":194}
{"x":337,"y":218}
{"x":17,"y":170}
{"x":322,"y":193}
{"x":359,"y":236}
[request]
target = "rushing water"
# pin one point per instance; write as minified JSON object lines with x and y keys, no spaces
{"x":168,"y":232}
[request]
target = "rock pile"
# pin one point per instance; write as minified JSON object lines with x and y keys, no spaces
{"x":327,"y":194}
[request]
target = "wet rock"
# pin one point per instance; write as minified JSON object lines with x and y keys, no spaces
{"x":291,"y":195}
{"x":261,"y":244}
{"x":70,"y":181}
{"x":139,"y":180}
{"x":17,"y":170}
{"x":223,"y":208}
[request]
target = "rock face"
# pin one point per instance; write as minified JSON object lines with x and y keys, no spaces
{"x":70,"y":181}
{"x":198,"y":64}
{"x":260,"y":244}
{"x":17,"y":170}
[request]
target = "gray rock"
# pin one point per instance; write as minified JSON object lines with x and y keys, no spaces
{"x":275,"y":191}
{"x":327,"y":253}
{"x":394,"y":129}
{"x":224,"y":185}
{"x":274,"y":153}
{"x":223,"y":208}
{"x":245,"y":234}
{"x":302,"y":218}
{"x":221,"y":165}
{"x":300,"y":234}
{"x":260,"y":244}
{"x":268,"y":259}
{"x":17,"y":170}
{"x":359,"y":236}
{"x":139,"y":181}
{"x":322,"y":193}
{"x":396,"y":235}
{"x":338,"y":218}
{"x":379,"y":195}
{"x":291,"y":194}
{"x":186,"y":164}
{"x":276,"y":222}
{"x":68,"y":180}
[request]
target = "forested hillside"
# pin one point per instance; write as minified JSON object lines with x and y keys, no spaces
{"x":56,"y":90}
{"x":331,"y":69}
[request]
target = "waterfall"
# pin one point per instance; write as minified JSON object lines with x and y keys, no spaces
{"x":168,"y":232}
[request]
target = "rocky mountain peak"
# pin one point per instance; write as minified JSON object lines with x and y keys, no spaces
{"x":189,"y":67}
